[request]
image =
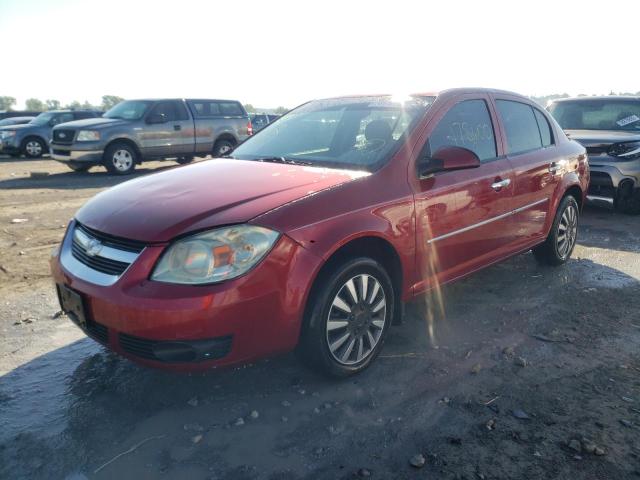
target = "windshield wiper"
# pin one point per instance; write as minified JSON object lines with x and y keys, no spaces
{"x":286,"y":160}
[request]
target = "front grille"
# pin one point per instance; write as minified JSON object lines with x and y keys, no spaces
{"x":114,"y":242}
{"x":63,"y":136}
{"x":101,"y":264}
{"x":144,"y":348}
{"x":98,"y":332}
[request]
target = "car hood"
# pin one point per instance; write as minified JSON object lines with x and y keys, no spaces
{"x":159,"y":207}
{"x":98,"y":122}
{"x":601,"y":137}
{"x":21,"y":126}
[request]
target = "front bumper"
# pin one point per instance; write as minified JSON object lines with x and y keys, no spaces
{"x":257,"y":315}
{"x":9,"y":146}
{"x":65,"y":153}
{"x":607,"y":175}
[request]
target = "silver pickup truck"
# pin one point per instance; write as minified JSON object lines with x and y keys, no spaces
{"x":137,"y":130}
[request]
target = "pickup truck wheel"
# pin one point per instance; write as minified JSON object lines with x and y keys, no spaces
{"x":184,"y":160}
{"x":222,"y":147}
{"x":33,"y":147}
{"x":348,"y":318}
{"x":559,"y":244}
{"x":120,"y":159}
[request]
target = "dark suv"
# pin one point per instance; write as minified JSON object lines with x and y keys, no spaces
{"x":609,"y":128}
{"x":32,"y":139}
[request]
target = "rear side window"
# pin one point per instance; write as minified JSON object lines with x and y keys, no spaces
{"x":543,"y":126}
{"x":230,"y":109}
{"x":204,"y":108}
{"x":467,"y":124}
{"x":521,"y":126}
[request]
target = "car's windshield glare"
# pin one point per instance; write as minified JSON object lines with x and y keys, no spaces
{"x":351,"y":133}
{"x":128,"y":110}
{"x":598,"y":115}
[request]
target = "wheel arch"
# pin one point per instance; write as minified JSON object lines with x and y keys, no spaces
{"x":366,"y":245}
{"x":226,"y":136}
{"x":126,"y":141}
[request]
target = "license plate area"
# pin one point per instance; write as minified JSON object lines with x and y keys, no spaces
{"x":72,"y":304}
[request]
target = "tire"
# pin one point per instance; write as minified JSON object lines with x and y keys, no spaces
{"x":222,"y":147}
{"x":120,"y":159}
{"x":184,"y":160}
{"x":33,"y":147}
{"x":627,"y":200}
{"x":79,"y":167}
{"x":339,"y":343}
{"x":561,"y":240}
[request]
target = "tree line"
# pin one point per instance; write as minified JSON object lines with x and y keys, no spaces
{"x":37,"y":105}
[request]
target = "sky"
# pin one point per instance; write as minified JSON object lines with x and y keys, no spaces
{"x":281,"y":53}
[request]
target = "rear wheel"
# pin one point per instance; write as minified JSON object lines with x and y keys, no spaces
{"x":561,"y":240}
{"x":222,"y":147}
{"x":120,"y":159}
{"x":348,"y":318}
{"x":34,"y":147}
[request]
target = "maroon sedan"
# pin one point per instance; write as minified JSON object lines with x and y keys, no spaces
{"x":312,"y":234}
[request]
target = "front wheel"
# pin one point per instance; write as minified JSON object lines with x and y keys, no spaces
{"x":561,"y":240}
{"x":348,"y":319}
{"x":34,"y":147}
{"x":120,"y":159}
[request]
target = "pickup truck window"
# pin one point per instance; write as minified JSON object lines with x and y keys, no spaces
{"x":231,"y":109}
{"x":204,"y":108}
{"x":171,"y":110}
{"x":129,"y":110}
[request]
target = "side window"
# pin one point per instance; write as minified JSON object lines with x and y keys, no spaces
{"x":83,"y":115}
{"x":520,"y":126}
{"x":62,"y":118}
{"x":205,"y":109}
{"x":545,"y":129}
{"x":181,"y":111}
{"x":165,"y":108}
{"x":230,"y":109}
{"x":467,"y":124}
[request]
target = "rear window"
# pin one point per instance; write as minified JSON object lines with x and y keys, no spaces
{"x":598,"y":114}
{"x":521,"y":126}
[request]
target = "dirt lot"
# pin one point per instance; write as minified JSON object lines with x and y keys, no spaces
{"x":529,"y":372}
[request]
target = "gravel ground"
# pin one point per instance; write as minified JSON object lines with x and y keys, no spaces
{"x":526,"y":372}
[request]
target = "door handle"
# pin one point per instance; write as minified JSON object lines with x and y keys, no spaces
{"x":497,"y":186}
{"x":177,"y":127}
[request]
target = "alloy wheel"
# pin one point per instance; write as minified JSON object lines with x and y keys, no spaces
{"x":122,"y":160}
{"x":567,"y":231}
{"x":356,"y":319}
{"x":33,"y":148}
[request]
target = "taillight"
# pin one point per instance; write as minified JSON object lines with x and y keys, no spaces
{"x":249,"y":128}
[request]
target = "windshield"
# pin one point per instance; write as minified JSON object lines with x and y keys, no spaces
{"x":43,"y":118}
{"x":129,"y":110}
{"x":353,"y":133}
{"x":614,"y":114}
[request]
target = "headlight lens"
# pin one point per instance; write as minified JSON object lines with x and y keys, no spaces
{"x":214,"y":256}
{"x":7,"y":133}
{"x":626,"y":150}
{"x":88,"y":136}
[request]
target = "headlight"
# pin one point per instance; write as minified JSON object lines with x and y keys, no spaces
{"x":88,"y":136}
{"x":626,"y":150}
{"x":214,"y":256}
{"x":7,"y":133}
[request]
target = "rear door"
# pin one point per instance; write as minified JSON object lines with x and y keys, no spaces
{"x":463,"y":216}
{"x":530,"y":147}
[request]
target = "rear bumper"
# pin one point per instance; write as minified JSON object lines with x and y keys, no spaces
{"x":69,"y":154}
{"x":192,"y":328}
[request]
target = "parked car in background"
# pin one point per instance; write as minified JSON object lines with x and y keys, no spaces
{"x":261,"y":120}
{"x":316,"y":229}
{"x":15,"y":121}
{"x":137,"y":130}
{"x":18,"y":113}
{"x":609,"y":127}
{"x":32,"y":139}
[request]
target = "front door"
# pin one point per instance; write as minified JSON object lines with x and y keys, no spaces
{"x":462,"y":216}
{"x":173,"y":136}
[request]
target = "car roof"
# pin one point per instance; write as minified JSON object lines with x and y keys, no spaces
{"x":599,"y":97}
{"x":443,"y":93}
{"x":187,"y":99}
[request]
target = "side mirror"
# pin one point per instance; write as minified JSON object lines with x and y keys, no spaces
{"x":154,"y":118}
{"x":447,"y":158}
